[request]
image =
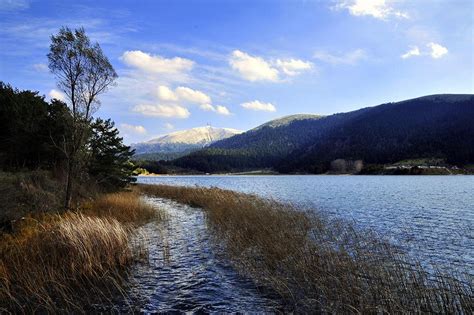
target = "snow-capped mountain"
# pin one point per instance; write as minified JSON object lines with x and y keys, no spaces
{"x":178,"y":143}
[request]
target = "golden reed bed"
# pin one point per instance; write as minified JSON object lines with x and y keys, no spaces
{"x":63,"y":262}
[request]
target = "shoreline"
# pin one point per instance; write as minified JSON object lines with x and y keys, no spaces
{"x":279,"y":241}
{"x":307,"y":261}
{"x":298,"y":174}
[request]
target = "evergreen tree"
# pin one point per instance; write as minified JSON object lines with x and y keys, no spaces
{"x":30,"y":128}
{"x":109,"y":162}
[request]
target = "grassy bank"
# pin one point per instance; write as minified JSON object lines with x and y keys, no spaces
{"x":65,"y":261}
{"x":316,"y":264}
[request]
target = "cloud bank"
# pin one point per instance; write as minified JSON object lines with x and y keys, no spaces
{"x":379,"y":9}
{"x":156,"y":64}
{"x":255,"y":68}
{"x":165,"y":111}
{"x":252,"y":68}
{"x":259,"y":106}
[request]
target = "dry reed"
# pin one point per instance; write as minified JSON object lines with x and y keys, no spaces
{"x":316,"y":264}
{"x":126,"y":206}
{"x":64,"y":262}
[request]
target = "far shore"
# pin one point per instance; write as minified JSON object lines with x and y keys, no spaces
{"x":273,"y":173}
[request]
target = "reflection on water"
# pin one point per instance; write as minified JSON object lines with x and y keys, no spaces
{"x":184,"y":272}
{"x":432,"y":217}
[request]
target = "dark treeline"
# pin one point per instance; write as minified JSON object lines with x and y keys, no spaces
{"x":34,"y":133}
{"x":29,"y":128}
{"x":439,"y":126}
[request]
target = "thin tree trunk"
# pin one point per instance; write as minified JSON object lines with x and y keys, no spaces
{"x":69,"y":179}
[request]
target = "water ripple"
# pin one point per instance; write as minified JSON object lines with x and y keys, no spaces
{"x":431,"y":217}
{"x":184,"y":273}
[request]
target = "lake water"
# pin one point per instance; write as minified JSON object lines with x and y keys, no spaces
{"x":432,"y":217}
{"x":185,"y":272}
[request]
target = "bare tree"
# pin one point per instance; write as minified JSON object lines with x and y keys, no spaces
{"x":83,"y":72}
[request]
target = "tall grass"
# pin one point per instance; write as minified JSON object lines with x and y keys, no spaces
{"x":64,"y":262}
{"x":126,"y":206}
{"x":316,"y":264}
{"x":27,"y":192}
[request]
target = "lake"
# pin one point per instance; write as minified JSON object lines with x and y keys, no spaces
{"x":431,"y":217}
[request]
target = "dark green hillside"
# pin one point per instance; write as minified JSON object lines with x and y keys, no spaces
{"x":264,"y":146}
{"x":434,"y":127}
{"x":439,"y":126}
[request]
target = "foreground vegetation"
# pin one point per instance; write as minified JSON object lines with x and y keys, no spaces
{"x":317,"y":264}
{"x":64,"y":244}
{"x":59,"y":251}
{"x":67,"y":261}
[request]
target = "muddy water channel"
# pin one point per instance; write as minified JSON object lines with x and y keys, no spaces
{"x":185,"y":272}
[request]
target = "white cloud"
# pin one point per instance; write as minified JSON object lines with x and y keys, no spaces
{"x":166,"y":94}
{"x":133,"y":129}
{"x":40,"y":67}
{"x":414,"y":51}
{"x":293,"y":67}
{"x":168,"y":111}
{"x":219,"y":109}
{"x":437,"y":51}
{"x":350,"y":58}
{"x":207,"y":107}
{"x":55,"y":94}
{"x":156,"y":64}
{"x":176,"y":102}
{"x":192,"y":96}
{"x":222,"y":110}
{"x":169,"y":126}
{"x":252,"y":68}
{"x":257,"y":105}
{"x":182,"y":94}
{"x":379,"y":9}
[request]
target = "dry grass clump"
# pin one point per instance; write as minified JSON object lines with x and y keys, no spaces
{"x":126,"y":206}
{"x":28,"y":192}
{"x":316,"y":264}
{"x":56,"y":261}
{"x":65,"y":262}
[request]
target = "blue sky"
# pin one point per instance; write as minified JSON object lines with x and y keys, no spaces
{"x":237,"y":64}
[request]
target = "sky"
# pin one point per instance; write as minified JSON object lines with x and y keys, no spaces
{"x":238,"y":64}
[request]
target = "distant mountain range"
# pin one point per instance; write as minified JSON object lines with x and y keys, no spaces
{"x":179,"y":143}
{"x":435,"y":126}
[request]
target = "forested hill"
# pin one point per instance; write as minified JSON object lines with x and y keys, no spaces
{"x":436,"y":126}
